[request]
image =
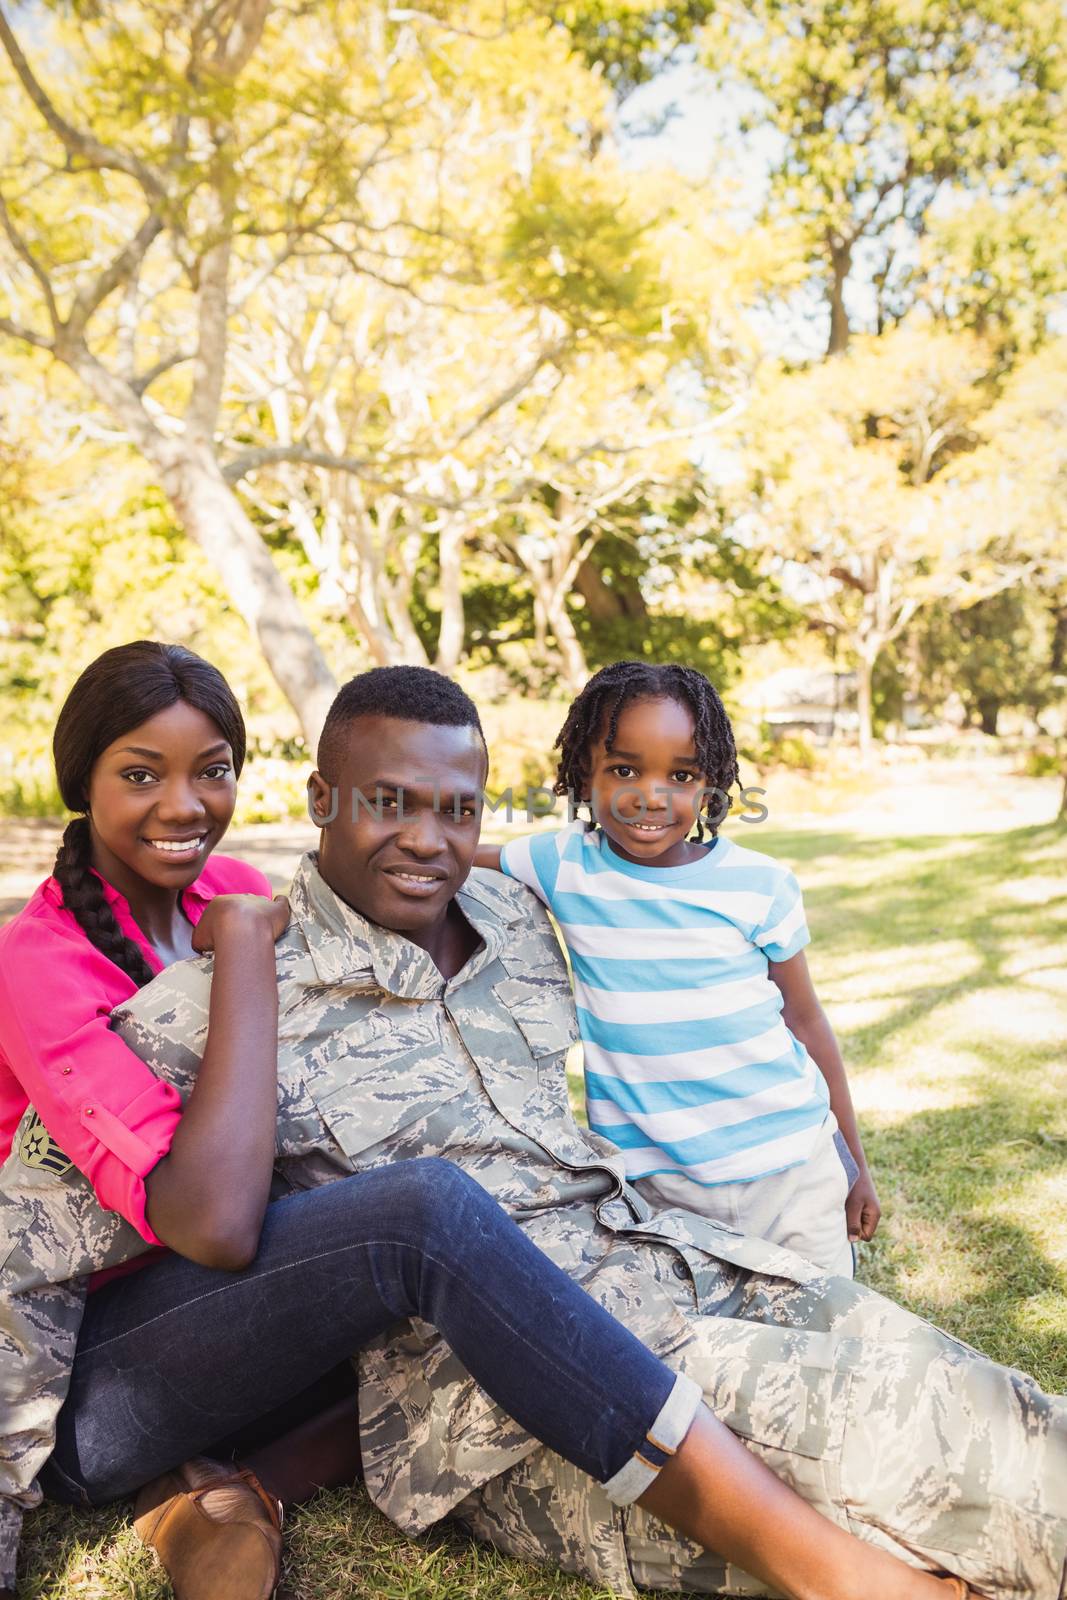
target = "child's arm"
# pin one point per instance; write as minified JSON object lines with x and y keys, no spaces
{"x":807,"y":1021}
{"x":488,"y":855}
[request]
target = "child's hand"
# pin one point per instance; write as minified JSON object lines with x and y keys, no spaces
{"x":862,"y":1211}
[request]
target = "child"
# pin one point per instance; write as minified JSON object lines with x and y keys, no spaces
{"x":708,"y":1058}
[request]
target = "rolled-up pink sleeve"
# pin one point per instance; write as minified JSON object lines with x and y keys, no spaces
{"x":101,"y":1104}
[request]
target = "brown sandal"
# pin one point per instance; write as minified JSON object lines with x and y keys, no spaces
{"x":215,"y":1529}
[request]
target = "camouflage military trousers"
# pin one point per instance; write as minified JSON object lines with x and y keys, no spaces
{"x":892,"y":1429}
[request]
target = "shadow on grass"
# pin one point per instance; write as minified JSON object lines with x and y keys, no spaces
{"x":904,"y":894}
{"x":948,"y":1249}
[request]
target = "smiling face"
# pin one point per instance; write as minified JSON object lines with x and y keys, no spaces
{"x":408,"y":815}
{"x":160,"y":799}
{"x":646,"y":791}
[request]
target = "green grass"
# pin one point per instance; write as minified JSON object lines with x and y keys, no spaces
{"x":943,"y":964}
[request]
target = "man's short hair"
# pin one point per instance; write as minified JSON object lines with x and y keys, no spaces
{"x":414,"y":694}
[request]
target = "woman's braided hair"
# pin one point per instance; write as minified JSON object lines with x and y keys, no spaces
{"x":116,"y":693}
{"x":595,"y":714}
{"x":83,"y":894}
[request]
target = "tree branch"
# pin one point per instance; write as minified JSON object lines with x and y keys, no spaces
{"x":15,"y":331}
{"x":544,"y":358}
{"x":849,"y":579}
{"x":146,"y":379}
{"x":27,"y":257}
{"x":268,"y":454}
{"x":121,"y":269}
{"x":236,"y":48}
{"x":118,"y":397}
{"x":90,"y":150}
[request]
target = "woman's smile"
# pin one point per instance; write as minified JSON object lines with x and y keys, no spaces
{"x":178,"y":850}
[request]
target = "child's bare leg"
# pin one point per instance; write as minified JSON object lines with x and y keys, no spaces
{"x":717,"y":1492}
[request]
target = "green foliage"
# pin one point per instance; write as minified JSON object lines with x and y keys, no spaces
{"x":1044,"y":761}
{"x":92,"y":560}
{"x":630,"y":40}
{"x":790,"y":750}
{"x":27,"y":777}
{"x":995,"y":654}
{"x":521,"y":350}
{"x":999,"y":267}
{"x":571,"y":246}
{"x":877,"y":105}
{"x":665,"y":636}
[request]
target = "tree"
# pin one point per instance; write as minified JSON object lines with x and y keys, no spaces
{"x":213,"y":152}
{"x":999,"y":268}
{"x":114,"y":212}
{"x":255,"y":209}
{"x":878,"y":107}
{"x":519,"y":418}
{"x":629,"y":40}
{"x":1012,"y":490}
{"x":846,"y":469}
{"x":996,"y":654}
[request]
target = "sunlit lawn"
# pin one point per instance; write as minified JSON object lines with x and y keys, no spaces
{"x":943,"y":964}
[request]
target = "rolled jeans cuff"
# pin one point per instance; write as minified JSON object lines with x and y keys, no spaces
{"x":659,"y":1444}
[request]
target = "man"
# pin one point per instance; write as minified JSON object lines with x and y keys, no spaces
{"x":425,"y":1011}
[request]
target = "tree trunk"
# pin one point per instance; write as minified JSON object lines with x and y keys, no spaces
{"x":840,"y":266}
{"x":864,"y":704}
{"x":210,"y":513}
{"x":1058,"y":651}
{"x":451,"y":632}
{"x":988,"y":713}
{"x":575,"y":666}
{"x":606,"y":603}
{"x":212,"y":516}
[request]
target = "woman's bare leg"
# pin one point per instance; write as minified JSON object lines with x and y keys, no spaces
{"x":719,"y":1493}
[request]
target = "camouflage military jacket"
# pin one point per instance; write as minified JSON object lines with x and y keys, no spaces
{"x":381,"y":1059}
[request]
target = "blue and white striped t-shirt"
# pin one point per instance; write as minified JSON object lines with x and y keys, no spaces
{"x":689,"y":1067}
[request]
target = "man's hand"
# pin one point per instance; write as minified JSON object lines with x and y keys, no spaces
{"x":233,"y":914}
{"x":862,"y":1210}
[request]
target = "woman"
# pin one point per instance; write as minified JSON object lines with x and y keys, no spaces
{"x":271,"y":1295}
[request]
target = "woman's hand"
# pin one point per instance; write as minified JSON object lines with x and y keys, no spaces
{"x":231,"y":915}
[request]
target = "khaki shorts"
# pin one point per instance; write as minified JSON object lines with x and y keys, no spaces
{"x":802,"y":1208}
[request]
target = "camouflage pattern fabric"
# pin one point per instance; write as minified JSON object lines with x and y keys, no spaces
{"x":893,"y":1429}
{"x":53,"y":1234}
{"x":890,"y":1429}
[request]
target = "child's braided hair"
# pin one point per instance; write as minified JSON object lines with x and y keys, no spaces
{"x":595,"y":715}
{"x":116,"y":693}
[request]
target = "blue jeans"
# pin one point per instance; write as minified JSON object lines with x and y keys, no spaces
{"x":177,"y":1356}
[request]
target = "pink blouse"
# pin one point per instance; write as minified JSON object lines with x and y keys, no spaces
{"x":102,"y":1105}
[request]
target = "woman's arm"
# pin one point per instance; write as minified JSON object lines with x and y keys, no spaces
{"x":488,"y":855}
{"x":207,"y":1196}
{"x":807,"y":1021}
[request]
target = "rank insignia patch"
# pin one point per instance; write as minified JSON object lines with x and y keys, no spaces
{"x":37,"y":1148}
